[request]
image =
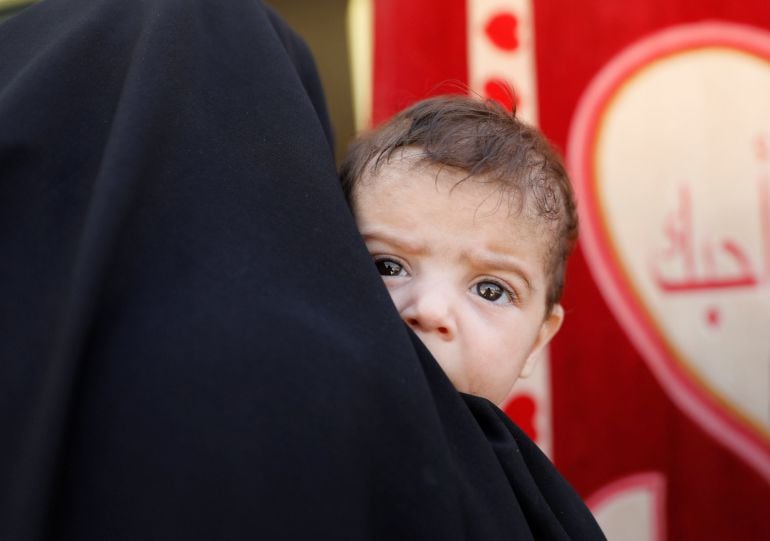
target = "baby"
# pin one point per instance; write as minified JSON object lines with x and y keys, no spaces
{"x":469,"y":216}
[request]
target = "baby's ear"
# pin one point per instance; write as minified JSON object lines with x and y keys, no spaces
{"x":548,"y":330}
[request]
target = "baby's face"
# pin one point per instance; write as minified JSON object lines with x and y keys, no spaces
{"x":465,"y":273}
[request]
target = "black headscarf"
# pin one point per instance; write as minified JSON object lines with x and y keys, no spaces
{"x":194,"y":343}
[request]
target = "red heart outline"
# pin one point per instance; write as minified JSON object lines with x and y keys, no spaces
{"x":651,"y":482}
{"x":681,"y":382}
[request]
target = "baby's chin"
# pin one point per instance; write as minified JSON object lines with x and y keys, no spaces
{"x":451,"y":366}
{"x":461,"y":382}
{"x":451,"y":362}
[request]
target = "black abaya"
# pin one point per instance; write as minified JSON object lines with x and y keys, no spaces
{"x":194,"y":342}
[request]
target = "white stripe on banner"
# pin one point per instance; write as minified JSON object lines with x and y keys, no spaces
{"x":501,"y":58}
{"x":501,"y":52}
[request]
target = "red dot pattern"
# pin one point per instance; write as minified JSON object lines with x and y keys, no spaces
{"x":521,"y":409}
{"x":502,"y":92}
{"x":713,"y":317}
{"x":502,"y":31}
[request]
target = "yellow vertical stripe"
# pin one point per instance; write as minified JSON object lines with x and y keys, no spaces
{"x":361,"y":50}
{"x":14,"y":4}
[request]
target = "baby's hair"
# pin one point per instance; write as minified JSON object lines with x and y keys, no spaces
{"x":489,"y":143}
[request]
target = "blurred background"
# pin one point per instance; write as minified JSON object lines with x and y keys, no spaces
{"x":654,"y":400}
{"x":323,"y":24}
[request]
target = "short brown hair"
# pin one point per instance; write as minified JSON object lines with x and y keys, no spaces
{"x":485,"y":140}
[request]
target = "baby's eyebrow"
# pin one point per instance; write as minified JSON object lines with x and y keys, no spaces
{"x":494,"y":260}
{"x":396,"y":239}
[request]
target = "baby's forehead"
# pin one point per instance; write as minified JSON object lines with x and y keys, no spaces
{"x":401,"y":161}
{"x":410,"y":164}
{"x":398,"y":171}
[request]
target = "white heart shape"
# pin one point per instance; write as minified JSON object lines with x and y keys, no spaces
{"x":670,"y":154}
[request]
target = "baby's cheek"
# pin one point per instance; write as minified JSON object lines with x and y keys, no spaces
{"x":456,"y":375}
{"x":397,"y":294}
{"x":448,"y":357}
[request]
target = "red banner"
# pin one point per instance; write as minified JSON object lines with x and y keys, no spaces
{"x":656,"y":406}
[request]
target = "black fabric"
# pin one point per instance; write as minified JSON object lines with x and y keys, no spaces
{"x":551,"y":507}
{"x":194,"y":343}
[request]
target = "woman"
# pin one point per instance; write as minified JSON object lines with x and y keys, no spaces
{"x":195,"y":343}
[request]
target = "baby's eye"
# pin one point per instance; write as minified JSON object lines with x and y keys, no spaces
{"x":388,"y":267}
{"x":494,"y":293}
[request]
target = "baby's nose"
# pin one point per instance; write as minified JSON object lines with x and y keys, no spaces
{"x":430,"y":312}
{"x":425,"y":324}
